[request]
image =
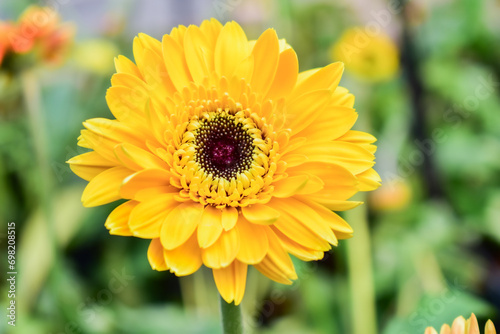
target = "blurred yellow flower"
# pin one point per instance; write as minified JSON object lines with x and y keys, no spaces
{"x":95,"y":55}
{"x":462,"y":326}
{"x":228,"y":156}
{"x":372,"y":57}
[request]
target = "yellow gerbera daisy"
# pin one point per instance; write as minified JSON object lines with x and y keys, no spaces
{"x":462,"y":326}
{"x":228,"y":157}
{"x":372,"y":57}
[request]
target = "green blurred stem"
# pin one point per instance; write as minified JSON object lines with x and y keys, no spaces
{"x":361,"y":280}
{"x":44,"y":190}
{"x":231,"y":317}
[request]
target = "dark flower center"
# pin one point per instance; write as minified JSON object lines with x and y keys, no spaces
{"x":224,"y":147}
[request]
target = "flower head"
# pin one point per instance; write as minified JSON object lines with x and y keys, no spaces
{"x":369,"y":57}
{"x":393,"y":195}
{"x":95,"y":55}
{"x":5,"y":29}
{"x":462,"y":326}
{"x":38,"y":30}
{"x":228,"y":157}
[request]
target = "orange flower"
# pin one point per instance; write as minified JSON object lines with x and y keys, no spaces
{"x":5,"y":28}
{"x":39,"y":30}
{"x":392,"y":196}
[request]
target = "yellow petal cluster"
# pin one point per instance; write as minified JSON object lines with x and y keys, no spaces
{"x":462,"y":326}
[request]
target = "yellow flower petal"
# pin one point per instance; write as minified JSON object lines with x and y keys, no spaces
{"x":138,"y":51}
{"x":151,"y":43}
{"x":430,"y":330}
{"x":159,"y":83}
{"x":211,"y":28}
{"x":111,"y":132}
{"x":329,"y":125}
{"x":260,"y":214}
{"x":266,"y":52}
{"x":130,"y":81}
{"x":277,"y":265}
{"x":178,"y":33}
{"x":199,"y":54}
{"x":342,"y":98}
{"x":127,"y":106}
{"x":223,"y":251}
{"x":105,"y":187}
{"x":332,"y":204}
{"x":229,"y":218}
{"x":88,"y":165}
{"x":125,"y":65}
{"x":304,"y":111}
{"x":296,"y":249}
{"x":210,"y":227}
{"x":362,"y":139}
{"x":117,"y":221}
{"x":350,"y":156}
{"x":339,"y":183}
{"x":293,"y":160}
{"x":297,"y":184}
{"x":304,"y":214}
{"x":185,"y":259}
{"x":289,"y":186}
{"x":147,"y":218}
{"x":180,"y":224}
{"x":175,"y":63}
{"x":153,"y":192}
{"x":142,"y":180}
{"x":243,"y":70}
{"x":445,"y":329}
{"x":231,"y":281}
{"x":253,"y":242}
{"x":155,"y":255}
{"x":333,"y":220}
{"x":489,"y":328}
{"x":458,"y":325}
{"x":369,"y":180}
{"x":296,"y":231}
{"x":327,"y":77}
{"x":231,"y":49}
{"x":133,"y":156}
{"x":358,"y":137}
{"x":286,"y":75}
{"x":472,"y":325}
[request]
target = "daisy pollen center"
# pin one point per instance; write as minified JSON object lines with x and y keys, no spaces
{"x":224,"y":153}
{"x":224,"y":147}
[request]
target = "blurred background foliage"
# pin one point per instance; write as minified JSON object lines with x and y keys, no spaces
{"x":427,"y":243}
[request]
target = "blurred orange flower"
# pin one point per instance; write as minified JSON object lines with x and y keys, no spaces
{"x":38,"y":30}
{"x":4,"y":41}
{"x":392,"y":196}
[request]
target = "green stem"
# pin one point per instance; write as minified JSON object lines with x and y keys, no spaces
{"x":231,"y":317}
{"x":33,"y":104}
{"x":359,"y":258}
